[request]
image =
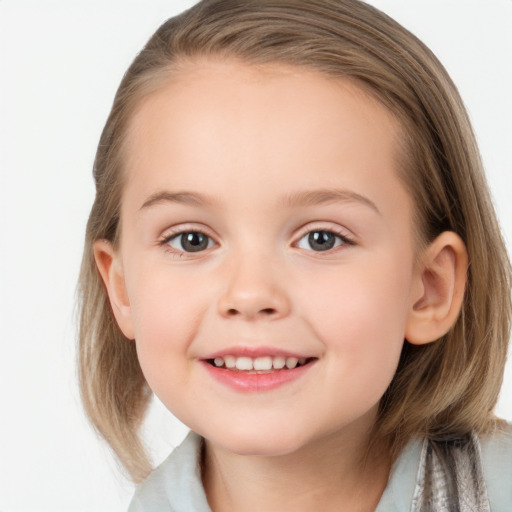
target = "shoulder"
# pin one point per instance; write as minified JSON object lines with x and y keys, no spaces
{"x":452,"y":469}
{"x":175,"y":485}
{"x":399,"y":492}
{"x":496,"y":451}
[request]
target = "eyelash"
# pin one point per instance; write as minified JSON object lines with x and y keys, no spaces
{"x":164,"y":242}
{"x":345,"y":240}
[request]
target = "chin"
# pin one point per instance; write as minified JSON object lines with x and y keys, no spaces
{"x":263,"y":444}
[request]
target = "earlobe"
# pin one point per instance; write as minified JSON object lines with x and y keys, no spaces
{"x":111,"y":271}
{"x":441,"y":280}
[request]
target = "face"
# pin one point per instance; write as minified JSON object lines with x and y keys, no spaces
{"x":264,"y":225}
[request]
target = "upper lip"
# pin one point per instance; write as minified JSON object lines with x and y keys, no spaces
{"x":253,"y":352}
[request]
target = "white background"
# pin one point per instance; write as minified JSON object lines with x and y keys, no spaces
{"x":60,"y":64}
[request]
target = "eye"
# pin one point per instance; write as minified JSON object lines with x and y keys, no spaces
{"x":321,"y":240}
{"x":190,"y":241}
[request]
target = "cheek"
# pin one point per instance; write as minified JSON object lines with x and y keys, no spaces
{"x":166,"y":312}
{"x":161,"y":301}
{"x":360,"y":314}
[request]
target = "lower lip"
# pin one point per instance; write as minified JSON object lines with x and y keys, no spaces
{"x":256,"y":382}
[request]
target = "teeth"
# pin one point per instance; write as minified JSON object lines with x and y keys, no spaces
{"x":243,"y":363}
{"x":279,"y":362}
{"x":291,"y":362}
{"x":262,"y":363}
{"x":230,"y":361}
{"x":265,"y":363}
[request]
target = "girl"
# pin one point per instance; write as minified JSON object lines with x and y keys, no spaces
{"x":293,"y":246}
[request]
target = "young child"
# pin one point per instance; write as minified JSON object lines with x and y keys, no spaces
{"x":293,"y":246}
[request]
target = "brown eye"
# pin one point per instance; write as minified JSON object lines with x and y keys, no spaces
{"x":191,"y":241}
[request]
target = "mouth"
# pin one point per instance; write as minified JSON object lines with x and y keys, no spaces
{"x":257,"y":370}
{"x":259,"y":365}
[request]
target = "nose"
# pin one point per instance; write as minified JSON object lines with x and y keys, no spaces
{"x":254,"y":291}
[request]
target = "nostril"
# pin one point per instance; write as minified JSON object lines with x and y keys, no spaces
{"x":265,"y":311}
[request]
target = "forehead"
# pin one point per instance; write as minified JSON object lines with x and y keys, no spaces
{"x":219,"y":121}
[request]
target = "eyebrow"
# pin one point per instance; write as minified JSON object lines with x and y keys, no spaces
{"x":305,"y":198}
{"x":325,"y":196}
{"x":191,"y":198}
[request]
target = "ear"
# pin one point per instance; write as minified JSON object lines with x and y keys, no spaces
{"x":440,"y":283}
{"x":110,"y":268}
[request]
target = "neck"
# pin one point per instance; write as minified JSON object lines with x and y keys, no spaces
{"x":324,"y":475}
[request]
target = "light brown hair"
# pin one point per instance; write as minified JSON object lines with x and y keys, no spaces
{"x":441,"y":390}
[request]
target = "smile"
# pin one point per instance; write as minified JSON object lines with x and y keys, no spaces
{"x":259,"y":373}
{"x":258,"y":364}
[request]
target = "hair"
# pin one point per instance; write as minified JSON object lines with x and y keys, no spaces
{"x":442,"y":390}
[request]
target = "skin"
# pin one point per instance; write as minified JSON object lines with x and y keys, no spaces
{"x":249,"y":139}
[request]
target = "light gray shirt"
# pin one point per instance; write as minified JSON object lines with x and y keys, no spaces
{"x":175,"y":486}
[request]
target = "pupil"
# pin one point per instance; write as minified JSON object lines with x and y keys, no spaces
{"x":193,"y":242}
{"x":321,"y":240}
